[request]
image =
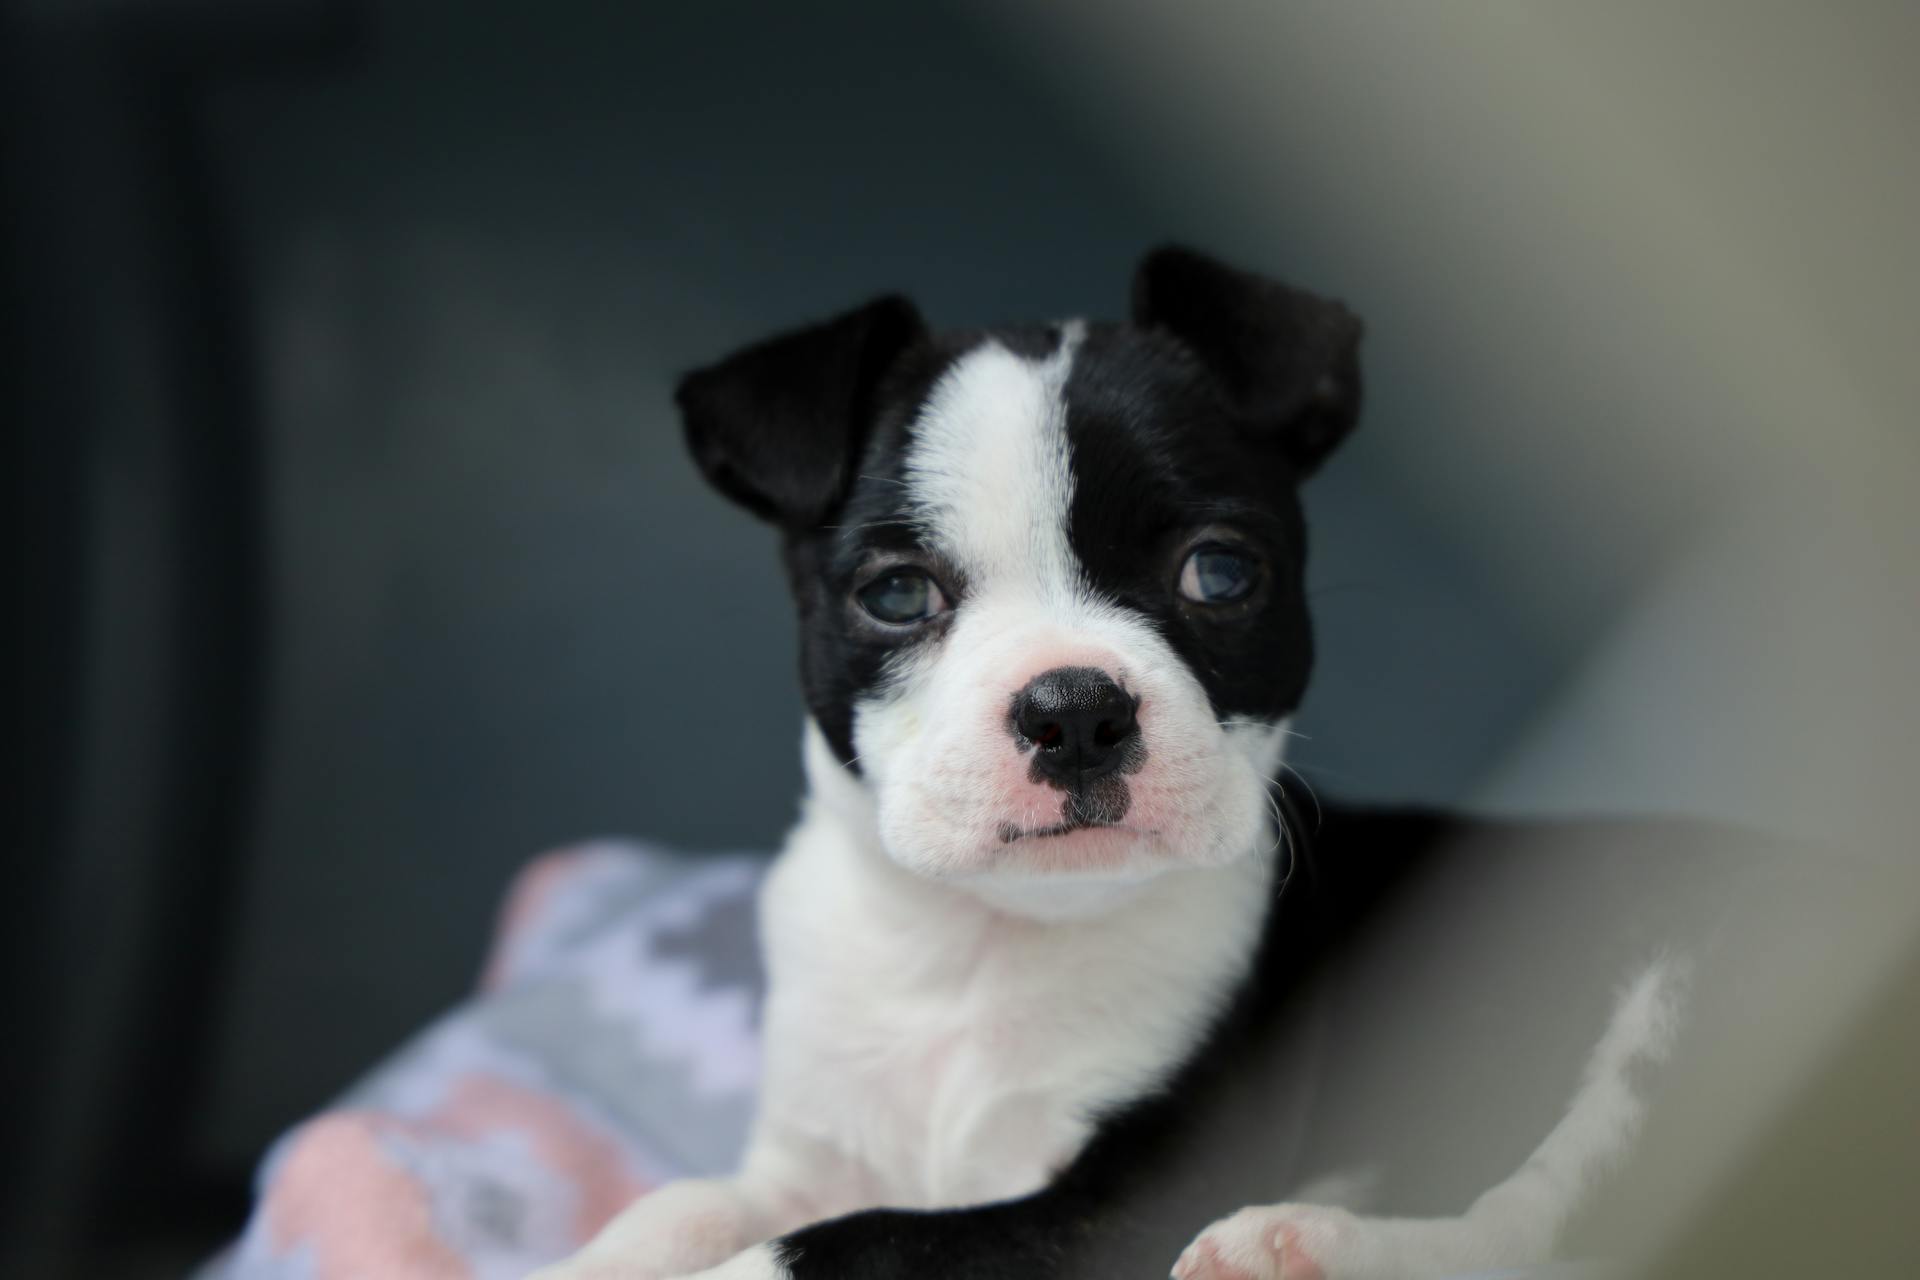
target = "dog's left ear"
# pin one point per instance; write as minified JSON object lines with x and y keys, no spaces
{"x":1288,"y":361}
{"x":778,"y":426}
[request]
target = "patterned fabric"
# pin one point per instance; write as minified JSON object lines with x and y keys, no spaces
{"x":612,"y":1046}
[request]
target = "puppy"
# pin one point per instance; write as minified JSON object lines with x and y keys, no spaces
{"x":1058,"y":974}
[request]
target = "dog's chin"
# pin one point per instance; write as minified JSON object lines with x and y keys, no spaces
{"x":1006,"y":852}
{"x":1085,"y":849}
{"x":1063,"y":874}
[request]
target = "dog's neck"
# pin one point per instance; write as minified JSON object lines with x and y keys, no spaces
{"x":839,"y":799}
{"x":902,"y":1009}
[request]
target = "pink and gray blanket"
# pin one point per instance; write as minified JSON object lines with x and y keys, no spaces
{"x":612,"y":1045}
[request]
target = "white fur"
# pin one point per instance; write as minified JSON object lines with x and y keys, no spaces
{"x":989,"y":473}
{"x":757,"y":1263}
{"x":955,"y":1050}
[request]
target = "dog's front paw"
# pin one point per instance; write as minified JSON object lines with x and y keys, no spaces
{"x":1272,"y":1242}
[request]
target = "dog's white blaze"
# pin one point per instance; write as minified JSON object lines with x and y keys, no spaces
{"x":989,"y":475}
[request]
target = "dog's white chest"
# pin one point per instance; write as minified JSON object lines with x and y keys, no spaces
{"x":943,"y":1091}
{"x":950,"y":1054}
{"x":966,"y":1110}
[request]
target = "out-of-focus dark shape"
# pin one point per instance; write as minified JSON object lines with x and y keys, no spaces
{"x":145,"y":595}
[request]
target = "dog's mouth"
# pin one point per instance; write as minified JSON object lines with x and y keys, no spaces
{"x":1010,"y":832}
{"x":1097,"y":804}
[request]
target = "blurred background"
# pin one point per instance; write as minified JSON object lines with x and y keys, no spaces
{"x":361,"y":560}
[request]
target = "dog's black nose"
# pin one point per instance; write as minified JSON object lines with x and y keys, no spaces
{"x":1079,"y":721}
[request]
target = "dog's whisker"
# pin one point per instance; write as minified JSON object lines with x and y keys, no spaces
{"x":1319,"y":814}
{"x":1283,"y":836}
{"x":1299,"y":847}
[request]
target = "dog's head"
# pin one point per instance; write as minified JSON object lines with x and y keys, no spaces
{"x":1049,"y":577}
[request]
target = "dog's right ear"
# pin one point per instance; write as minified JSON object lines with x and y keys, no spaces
{"x":1289,"y":361}
{"x":778,"y":427}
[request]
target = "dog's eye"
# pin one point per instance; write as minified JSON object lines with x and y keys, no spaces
{"x":1218,"y":575}
{"x":901,"y":597}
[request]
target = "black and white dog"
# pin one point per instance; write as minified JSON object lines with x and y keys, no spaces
{"x":1058,"y":975}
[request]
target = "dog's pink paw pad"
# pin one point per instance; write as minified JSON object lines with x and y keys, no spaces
{"x":1233,"y":1248}
{"x":1270,"y":1242}
{"x":1203,"y":1261}
{"x":1296,"y":1260}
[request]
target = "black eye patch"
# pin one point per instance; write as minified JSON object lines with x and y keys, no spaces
{"x":1183,"y":514}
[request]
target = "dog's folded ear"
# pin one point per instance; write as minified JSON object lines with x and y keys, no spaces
{"x":1287,"y":360}
{"x":778,"y":427}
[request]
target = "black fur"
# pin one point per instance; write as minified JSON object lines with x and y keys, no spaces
{"x":776,"y":427}
{"x":1161,"y":455}
{"x":1288,"y":361}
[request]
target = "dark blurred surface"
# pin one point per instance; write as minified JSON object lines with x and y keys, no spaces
{"x":363,"y":561}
